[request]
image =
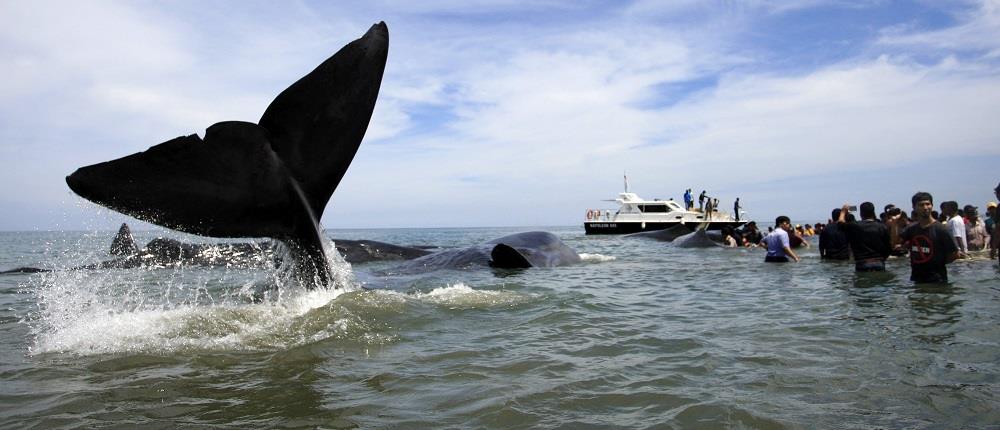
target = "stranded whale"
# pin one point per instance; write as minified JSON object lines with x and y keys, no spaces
{"x":520,"y":250}
{"x":270,"y":179}
{"x":161,"y":252}
{"x":700,"y":238}
{"x":665,"y":235}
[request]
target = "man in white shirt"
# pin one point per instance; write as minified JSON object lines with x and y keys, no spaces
{"x":957,"y":226}
{"x":777,"y":243}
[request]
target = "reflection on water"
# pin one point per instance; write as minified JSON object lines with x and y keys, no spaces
{"x":937,"y":310}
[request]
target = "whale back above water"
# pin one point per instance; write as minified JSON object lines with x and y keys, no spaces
{"x":535,"y":248}
{"x":664,"y":235}
{"x":519,"y":250}
{"x":699,"y":238}
{"x":271,"y":179}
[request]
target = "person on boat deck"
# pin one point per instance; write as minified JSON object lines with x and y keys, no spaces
{"x":777,"y":242}
{"x":930,"y":243}
{"x":869,"y":239}
{"x":688,"y":200}
{"x":701,"y":200}
{"x":736,"y":209}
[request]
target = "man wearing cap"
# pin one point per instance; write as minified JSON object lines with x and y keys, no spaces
{"x":975,"y":229}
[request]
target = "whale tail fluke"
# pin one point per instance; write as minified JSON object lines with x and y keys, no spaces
{"x":271,"y":179}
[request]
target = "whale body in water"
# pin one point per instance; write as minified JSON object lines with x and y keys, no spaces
{"x":700,"y":238}
{"x":269,"y":179}
{"x":162,"y":252}
{"x":664,"y":235}
{"x":515,"y":251}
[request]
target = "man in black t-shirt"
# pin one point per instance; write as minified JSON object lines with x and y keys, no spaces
{"x":930,"y":243}
{"x":869,"y":239}
{"x":833,"y":243}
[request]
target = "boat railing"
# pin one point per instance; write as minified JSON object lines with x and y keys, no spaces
{"x":608,"y":215}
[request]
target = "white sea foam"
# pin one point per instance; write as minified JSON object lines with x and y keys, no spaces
{"x":596,"y":258}
{"x":463,"y":296}
{"x":161,"y":310}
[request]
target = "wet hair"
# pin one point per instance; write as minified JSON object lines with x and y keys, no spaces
{"x":781,"y":219}
{"x":921,"y":196}
{"x":867,"y":210}
{"x":835,"y":214}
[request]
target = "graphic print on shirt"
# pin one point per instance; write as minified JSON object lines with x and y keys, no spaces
{"x":921,"y":249}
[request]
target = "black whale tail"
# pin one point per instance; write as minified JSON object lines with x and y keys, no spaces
{"x":271,"y":179}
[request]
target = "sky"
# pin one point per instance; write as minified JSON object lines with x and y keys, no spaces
{"x":508,"y":113}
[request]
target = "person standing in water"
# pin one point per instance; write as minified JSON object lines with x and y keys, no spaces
{"x":930,"y":243}
{"x":833,"y":243}
{"x":777,"y":243}
{"x":869,"y":239}
{"x":956,"y":224}
{"x":995,"y":234}
{"x":975,"y":229}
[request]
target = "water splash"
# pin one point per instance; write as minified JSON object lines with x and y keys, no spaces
{"x":182,"y":308}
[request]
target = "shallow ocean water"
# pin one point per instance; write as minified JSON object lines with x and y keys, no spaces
{"x":641,"y":335}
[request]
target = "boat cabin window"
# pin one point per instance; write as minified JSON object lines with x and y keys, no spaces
{"x":660,"y":208}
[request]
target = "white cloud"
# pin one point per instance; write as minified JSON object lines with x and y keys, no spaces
{"x":503,"y":122}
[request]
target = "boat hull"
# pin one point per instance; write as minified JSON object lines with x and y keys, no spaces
{"x":618,"y":227}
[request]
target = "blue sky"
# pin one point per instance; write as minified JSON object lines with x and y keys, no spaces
{"x":507,"y":113}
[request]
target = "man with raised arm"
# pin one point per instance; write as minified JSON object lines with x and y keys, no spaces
{"x":869,"y":239}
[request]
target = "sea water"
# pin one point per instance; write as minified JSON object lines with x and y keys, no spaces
{"x":640,"y":335}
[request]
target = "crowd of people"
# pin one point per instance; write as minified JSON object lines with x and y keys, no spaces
{"x":930,"y":238}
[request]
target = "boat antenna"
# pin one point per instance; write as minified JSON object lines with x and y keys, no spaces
{"x":626,"y":180}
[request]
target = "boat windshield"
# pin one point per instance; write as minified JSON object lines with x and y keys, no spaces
{"x":654,"y":208}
